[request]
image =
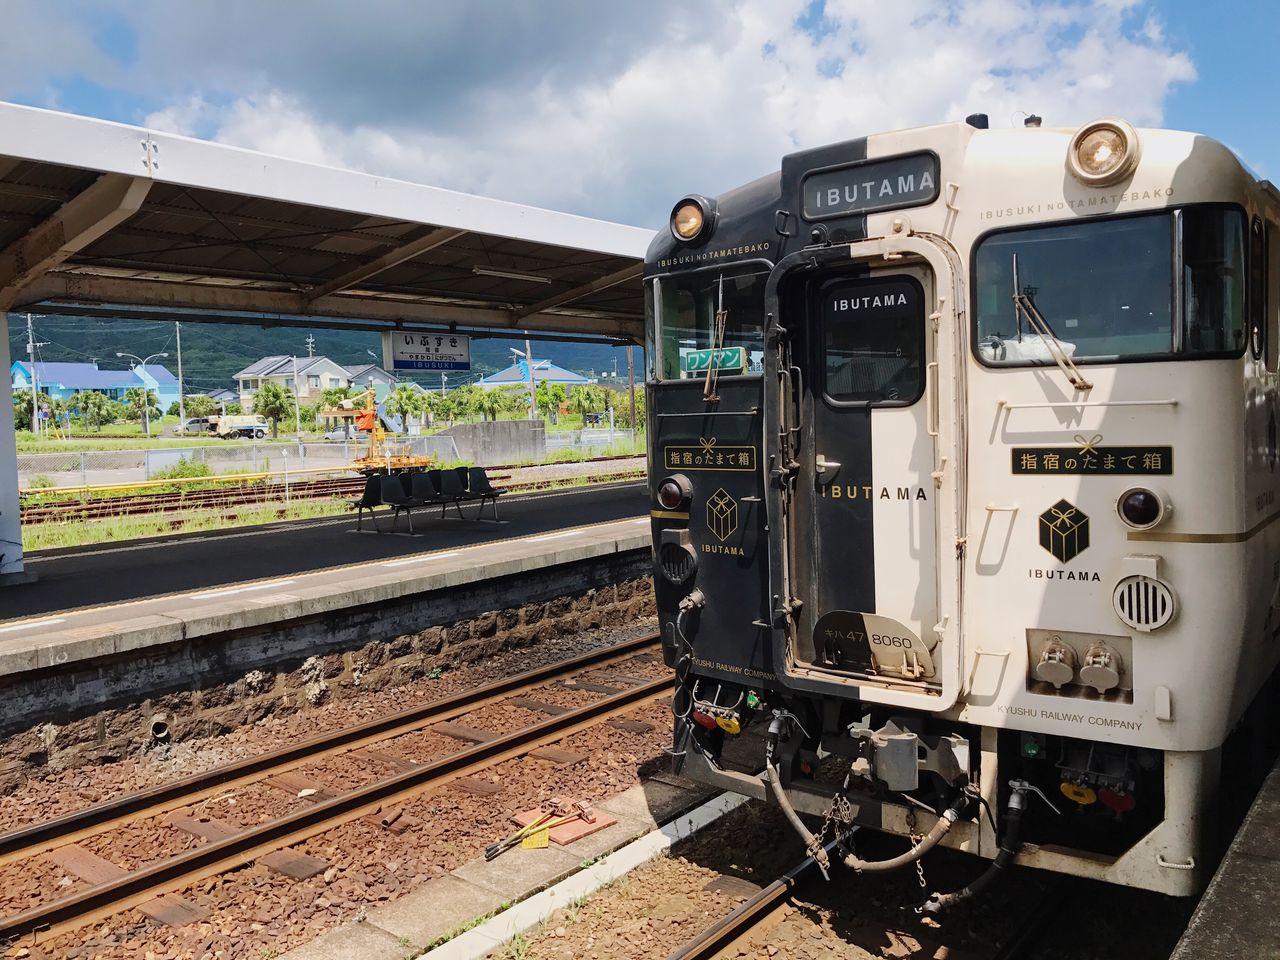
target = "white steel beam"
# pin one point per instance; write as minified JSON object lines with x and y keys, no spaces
{"x":392,"y":258}
{"x":90,"y":288}
{"x":577,"y":293}
{"x":84,"y":218}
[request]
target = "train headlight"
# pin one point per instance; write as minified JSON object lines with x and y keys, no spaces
{"x":673,"y":492}
{"x":691,"y":218}
{"x":1141,"y":508}
{"x":1103,"y":152}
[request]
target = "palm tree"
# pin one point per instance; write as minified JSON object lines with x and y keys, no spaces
{"x":200,"y":405}
{"x":405,"y":402}
{"x":588,"y":399}
{"x":489,"y":403}
{"x":273,"y":402}
{"x":95,"y":408}
{"x":141,"y":401}
{"x":331,"y":397}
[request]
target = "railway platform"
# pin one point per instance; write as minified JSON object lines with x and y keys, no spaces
{"x":119,"y":624}
{"x":1236,"y":916}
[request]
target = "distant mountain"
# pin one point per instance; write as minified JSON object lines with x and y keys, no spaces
{"x":213,"y":353}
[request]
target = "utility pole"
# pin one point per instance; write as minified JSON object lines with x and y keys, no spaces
{"x":35,"y":391}
{"x":182,"y":403}
{"x":533,"y":389}
{"x":297,"y":414}
{"x":631,"y":387}
{"x":444,"y":378}
{"x":311,"y":345}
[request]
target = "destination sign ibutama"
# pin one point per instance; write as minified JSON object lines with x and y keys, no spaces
{"x":907,"y":181}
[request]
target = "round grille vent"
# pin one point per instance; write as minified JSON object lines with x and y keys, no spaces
{"x":677,"y":561}
{"x":1144,"y":603}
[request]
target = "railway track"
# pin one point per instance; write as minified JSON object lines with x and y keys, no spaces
{"x":253,"y":495}
{"x":230,"y":848}
{"x":728,"y":936}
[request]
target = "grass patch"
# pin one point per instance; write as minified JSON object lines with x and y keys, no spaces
{"x":80,"y":533}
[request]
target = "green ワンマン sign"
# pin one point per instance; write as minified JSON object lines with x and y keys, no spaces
{"x":726,"y":358}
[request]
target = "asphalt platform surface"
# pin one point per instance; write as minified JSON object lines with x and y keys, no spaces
{"x":111,"y":573}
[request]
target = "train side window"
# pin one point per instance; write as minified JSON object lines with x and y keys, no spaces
{"x":1257,"y":289}
{"x":1214,"y":281}
{"x":873,"y":341}
{"x":1273,"y":297}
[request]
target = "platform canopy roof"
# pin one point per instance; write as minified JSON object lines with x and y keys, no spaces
{"x":111,"y":220}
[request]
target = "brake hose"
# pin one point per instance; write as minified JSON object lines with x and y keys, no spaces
{"x":1009,"y":847}
{"x":853,"y":862}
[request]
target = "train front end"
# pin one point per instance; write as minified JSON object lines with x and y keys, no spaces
{"x":915,"y":451}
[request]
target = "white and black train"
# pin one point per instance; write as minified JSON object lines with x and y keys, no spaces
{"x":963,"y":459}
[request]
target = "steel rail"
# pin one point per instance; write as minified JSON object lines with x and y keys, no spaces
{"x":101,"y":817}
{"x":724,"y":932}
{"x":179,"y":871}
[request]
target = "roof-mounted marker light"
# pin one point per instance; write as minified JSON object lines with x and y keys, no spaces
{"x":1103,"y":152}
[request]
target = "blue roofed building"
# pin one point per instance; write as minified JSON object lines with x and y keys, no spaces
{"x":517,"y":375}
{"x":67,"y":379}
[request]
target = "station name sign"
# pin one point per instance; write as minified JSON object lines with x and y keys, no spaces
{"x":906,"y":181}
{"x":430,"y":351}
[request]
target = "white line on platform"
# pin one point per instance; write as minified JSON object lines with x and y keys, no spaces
{"x":552,"y":536}
{"x":48,"y":621}
{"x":434,"y":556}
{"x":210,"y":594}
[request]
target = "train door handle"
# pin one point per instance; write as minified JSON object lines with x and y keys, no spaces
{"x":931,"y":399}
{"x":826,"y":469}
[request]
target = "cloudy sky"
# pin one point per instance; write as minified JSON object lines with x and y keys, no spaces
{"x":615,"y":109}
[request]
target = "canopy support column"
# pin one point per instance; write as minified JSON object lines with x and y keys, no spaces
{"x":11,"y":566}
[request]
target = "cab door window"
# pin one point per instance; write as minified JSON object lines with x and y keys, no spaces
{"x":873,"y":341}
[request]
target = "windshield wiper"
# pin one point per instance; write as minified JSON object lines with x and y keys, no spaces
{"x":1024,"y":307}
{"x":717,"y":344}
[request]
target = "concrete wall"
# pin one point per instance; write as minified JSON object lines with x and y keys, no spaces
{"x":501,"y":441}
{"x":100,"y":710}
{"x":11,"y":568}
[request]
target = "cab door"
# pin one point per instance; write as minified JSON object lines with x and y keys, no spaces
{"x":871,"y":517}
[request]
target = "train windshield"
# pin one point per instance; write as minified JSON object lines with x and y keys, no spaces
{"x":698,"y":318}
{"x":1110,"y":289}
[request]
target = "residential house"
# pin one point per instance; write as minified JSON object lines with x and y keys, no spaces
{"x":64,"y":380}
{"x":371,"y":375}
{"x":222,"y":396}
{"x":315,"y":374}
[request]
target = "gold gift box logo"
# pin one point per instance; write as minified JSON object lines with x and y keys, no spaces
{"x":722,"y":514}
{"x":1064,"y":530}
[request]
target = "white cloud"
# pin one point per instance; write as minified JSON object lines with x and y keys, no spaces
{"x":612,"y":114}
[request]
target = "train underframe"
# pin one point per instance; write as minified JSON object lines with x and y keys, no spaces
{"x":1125,"y":815}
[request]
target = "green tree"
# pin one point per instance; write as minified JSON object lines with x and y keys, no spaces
{"x":622,"y":408}
{"x":95,"y":408}
{"x":233,"y":409}
{"x":405,"y":402}
{"x":200,"y":405}
{"x":333,"y":396}
{"x":22,"y":411}
{"x":550,"y":396}
{"x":588,"y":398}
{"x":273,"y":402}
{"x":466,"y":400}
{"x":142,"y":404}
{"x":490,"y":403}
